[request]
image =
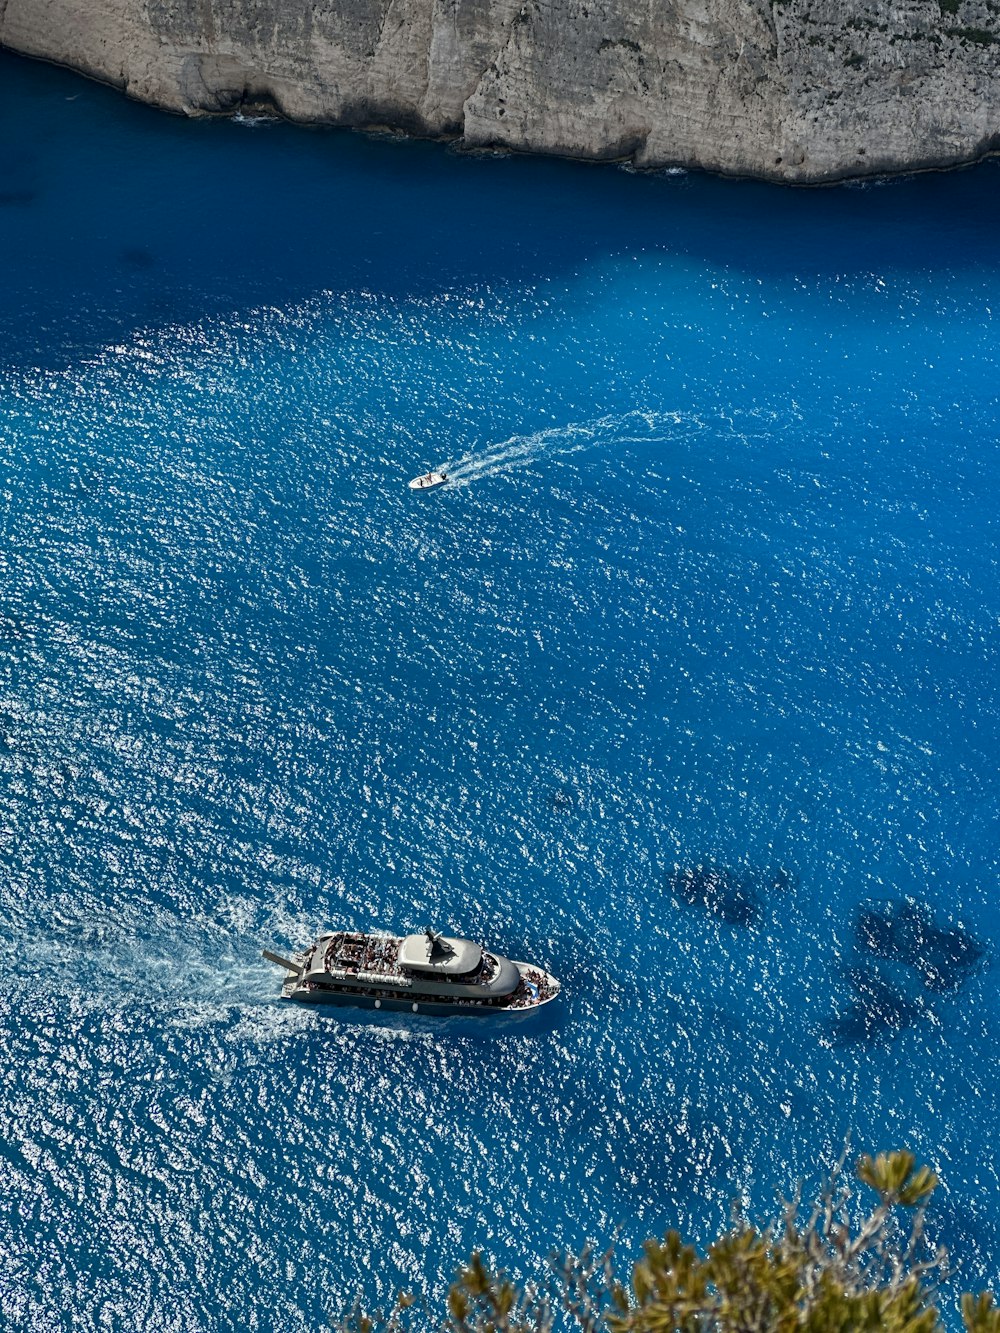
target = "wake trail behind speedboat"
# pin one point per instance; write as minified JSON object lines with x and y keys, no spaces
{"x":521,"y":451}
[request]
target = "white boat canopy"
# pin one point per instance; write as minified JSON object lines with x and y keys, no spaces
{"x":441,"y":955}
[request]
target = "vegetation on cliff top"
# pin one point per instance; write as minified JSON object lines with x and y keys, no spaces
{"x":828,"y":1268}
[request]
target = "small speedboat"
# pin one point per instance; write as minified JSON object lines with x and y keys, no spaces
{"x":430,"y":481}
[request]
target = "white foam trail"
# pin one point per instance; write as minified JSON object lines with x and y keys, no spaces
{"x":158,"y":961}
{"x":522,"y":450}
{"x":251,"y":122}
{"x":258,"y":1025}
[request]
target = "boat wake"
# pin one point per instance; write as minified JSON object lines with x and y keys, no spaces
{"x":188,"y":968}
{"x":253,"y":120}
{"x":521,"y":451}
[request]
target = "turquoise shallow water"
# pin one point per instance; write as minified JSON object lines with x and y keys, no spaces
{"x":716,"y":586}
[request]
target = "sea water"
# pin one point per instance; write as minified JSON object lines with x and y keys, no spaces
{"x":694,"y":661}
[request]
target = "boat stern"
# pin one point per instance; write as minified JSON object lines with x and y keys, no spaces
{"x":294,"y":970}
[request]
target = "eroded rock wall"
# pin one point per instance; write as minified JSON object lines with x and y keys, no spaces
{"x":798,"y":90}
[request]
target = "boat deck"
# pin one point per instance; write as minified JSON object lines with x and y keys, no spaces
{"x":357,"y":953}
{"x":368,"y":964}
{"x":534,"y":988}
{"x":372,"y":958}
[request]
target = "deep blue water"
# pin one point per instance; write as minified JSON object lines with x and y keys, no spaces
{"x":717,"y":586}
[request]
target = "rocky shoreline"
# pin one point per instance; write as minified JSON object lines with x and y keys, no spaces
{"x":800,"y":91}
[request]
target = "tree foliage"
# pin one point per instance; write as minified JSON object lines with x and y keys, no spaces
{"x":831,"y":1268}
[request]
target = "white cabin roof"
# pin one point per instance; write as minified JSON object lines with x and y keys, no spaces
{"x":444,"y":955}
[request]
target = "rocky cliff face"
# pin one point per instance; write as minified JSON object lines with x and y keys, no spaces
{"x":797,"y":90}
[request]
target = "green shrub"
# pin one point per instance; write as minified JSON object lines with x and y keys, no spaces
{"x":816,"y":1270}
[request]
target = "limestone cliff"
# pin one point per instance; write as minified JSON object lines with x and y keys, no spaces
{"x":798,"y":90}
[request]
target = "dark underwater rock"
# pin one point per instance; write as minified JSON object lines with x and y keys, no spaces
{"x":783,"y":880}
{"x":876,"y":1012}
{"x":726,"y":894}
{"x":905,"y":932}
{"x":564,"y":800}
{"x":137,"y":257}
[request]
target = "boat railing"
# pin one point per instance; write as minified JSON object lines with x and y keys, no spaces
{"x":369,"y":978}
{"x":381,"y":978}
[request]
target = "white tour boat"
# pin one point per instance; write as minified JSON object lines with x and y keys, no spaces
{"x":429,"y":973}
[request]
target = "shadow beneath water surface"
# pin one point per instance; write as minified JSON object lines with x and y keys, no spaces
{"x":237,"y":217}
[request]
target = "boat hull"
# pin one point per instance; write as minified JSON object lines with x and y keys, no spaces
{"x":323,"y":996}
{"x":429,"y":482}
{"x":327,"y":999}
